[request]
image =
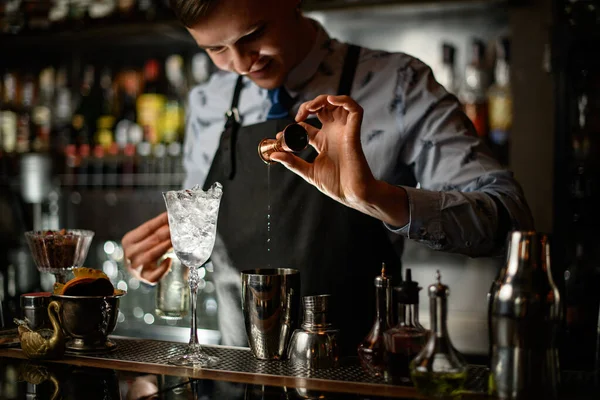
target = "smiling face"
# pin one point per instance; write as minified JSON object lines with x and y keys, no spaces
{"x":263,"y":39}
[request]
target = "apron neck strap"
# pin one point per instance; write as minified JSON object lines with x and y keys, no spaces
{"x":347,"y":77}
{"x":233,"y":110}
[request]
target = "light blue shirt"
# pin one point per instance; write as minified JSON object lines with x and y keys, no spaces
{"x":412,"y":127}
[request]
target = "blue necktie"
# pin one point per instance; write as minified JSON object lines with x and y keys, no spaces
{"x":280,"y":103}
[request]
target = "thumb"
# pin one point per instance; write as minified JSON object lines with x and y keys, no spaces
{"x":294,"y":164}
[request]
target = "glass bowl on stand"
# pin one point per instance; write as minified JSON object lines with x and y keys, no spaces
{"x":58,"y":252}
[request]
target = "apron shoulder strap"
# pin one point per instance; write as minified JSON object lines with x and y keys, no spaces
{"x":232,"y":125}
{"x":233,"y":110}
{"x":350,"y":64}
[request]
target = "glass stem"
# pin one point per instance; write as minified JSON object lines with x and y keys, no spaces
{"x":193,"y":296}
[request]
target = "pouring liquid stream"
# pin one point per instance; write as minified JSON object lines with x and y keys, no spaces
{"x":269,"y":216}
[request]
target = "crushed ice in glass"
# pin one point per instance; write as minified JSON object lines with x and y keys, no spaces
{"x":193,"y":222}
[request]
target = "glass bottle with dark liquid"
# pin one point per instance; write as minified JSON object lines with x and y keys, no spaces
{"x":405,"y":340}
{"x":371,"y":351}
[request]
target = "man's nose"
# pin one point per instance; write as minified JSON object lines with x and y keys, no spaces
{"x":243,"y":59}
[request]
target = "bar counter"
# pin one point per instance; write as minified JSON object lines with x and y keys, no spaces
{"x":137,"y":369}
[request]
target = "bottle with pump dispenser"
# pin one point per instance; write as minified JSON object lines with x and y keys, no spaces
{"x":439,"y":370}
{"x":405,"y":340}
{"x":371,"y":351}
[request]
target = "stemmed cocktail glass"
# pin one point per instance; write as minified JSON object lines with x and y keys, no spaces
{"x":193,"y":225}
{"x":58,"y":252}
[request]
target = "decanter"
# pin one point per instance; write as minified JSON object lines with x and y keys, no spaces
{"x":405,"y":340}
{"x":371,"y":351}
{"x":439,"y":370}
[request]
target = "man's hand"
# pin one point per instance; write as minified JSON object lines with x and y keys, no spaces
{"x":341,"y":170}
{"x":144,"y":245}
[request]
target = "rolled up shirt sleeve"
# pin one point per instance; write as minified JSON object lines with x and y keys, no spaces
{"x":465,"y":201}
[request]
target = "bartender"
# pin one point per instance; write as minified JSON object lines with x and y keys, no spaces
{"x":391,"y":156}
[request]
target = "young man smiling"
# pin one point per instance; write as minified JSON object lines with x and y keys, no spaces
{"x":383,"y":127}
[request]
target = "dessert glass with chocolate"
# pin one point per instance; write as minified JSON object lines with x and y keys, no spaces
{"x":58,"y":252}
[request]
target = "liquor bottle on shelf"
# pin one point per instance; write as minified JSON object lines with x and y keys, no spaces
{"x":582,"y":301}
{"x":24,"y":120}
{"x":97,"y":167}
{"x":83,"y":118}
{"x":101,"y":11}
{"x":83,"y":167}
{"x":128,"y":166}
{"x":160,"y":164}
{"x":583,"y":14}
{"x":104,"y":133}
{"x":71,"y":165}
{"x":584,"y":153}
{"x":112,"y":167}
{"x":145,"y":164}
{"x":36,"y":14}
{"x":126,"y":128}
{"x":9,"y":113}
{"x":371,"y":352}
{"x":173,"y":116}
{"x":42,"y":112}
{"x":175,"y":163}
{"x":473,"y":92}
{"x":79,"y":13}
{"x":126,"y":9}
{"x":58,"y":15}
{"x":12,"y":18}
{"x":151,"y":103}
{"x":500,"y":104}
{"x":447,"y":73}
{"x":62,"y":113}
{"x":146,"y":9}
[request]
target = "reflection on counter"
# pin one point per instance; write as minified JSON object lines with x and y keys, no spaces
{"x":28,"y":380}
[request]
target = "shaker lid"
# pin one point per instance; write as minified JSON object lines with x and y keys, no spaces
{"x":438,"y":289}
{"x":38,"y":299}
{"x":408,"y":291}
{"x":383,"y":280}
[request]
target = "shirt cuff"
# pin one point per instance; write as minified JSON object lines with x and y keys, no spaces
{"x":425,"y":218}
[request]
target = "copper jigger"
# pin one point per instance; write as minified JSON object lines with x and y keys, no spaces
{"x":294,"y":139}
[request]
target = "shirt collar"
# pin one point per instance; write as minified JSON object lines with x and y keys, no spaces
{"x":303,"y":72}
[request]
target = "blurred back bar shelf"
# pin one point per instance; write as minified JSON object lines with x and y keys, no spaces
{"x":101,"y":92}
{"x":115,"y":23}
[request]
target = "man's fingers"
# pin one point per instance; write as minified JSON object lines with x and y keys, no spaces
{"x":294,"y":164}
{"x":148,"y":258}
{"x":311,"y":107}
{"x":160,"y":235}
{"x":154,"y":275}
{"x":346,"y":102}
{"x":355,"y":111}
{"x":146,"y":229}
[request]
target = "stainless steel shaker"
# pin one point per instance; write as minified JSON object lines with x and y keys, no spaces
{"x":34,"y":307}
{"x":525,"y":315}
{"x":315,"y":345}
{"x":270,"y":303}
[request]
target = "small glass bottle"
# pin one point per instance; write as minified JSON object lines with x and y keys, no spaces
{"x":439,"y":370}
{"x":405,"y":340}
{"x":371,"y":351}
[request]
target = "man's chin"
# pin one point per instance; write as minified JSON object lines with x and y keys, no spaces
{"x":267,"y":83}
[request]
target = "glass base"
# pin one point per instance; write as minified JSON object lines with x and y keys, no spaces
{"x":193,"y":357}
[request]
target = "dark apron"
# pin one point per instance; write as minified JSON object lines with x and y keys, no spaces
{"x":338,"y":250}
